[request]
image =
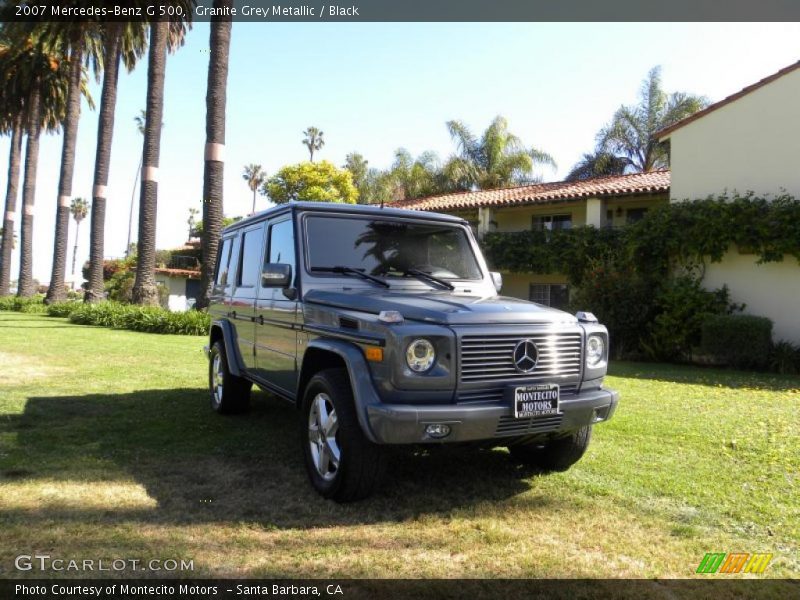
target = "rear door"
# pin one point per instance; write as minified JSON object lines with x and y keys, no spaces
{"x":243,"y":299}
{"x":223,"y":281}
{"x":276,"y":314}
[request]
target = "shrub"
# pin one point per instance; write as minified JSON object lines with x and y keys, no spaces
{"x":148,"y":319}
{"x":681,"y":306}
{"x":785,"y":358}
{"x":63,"y":309}
{"x":740,"y":341}
{"x":34,"y":304}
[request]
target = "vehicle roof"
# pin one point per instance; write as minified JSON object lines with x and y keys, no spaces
{"x":333,"y":207}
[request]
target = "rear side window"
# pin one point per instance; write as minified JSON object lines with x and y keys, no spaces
{"x":281,"y":244}
{"x":222,"y":263}
{"x":250,"y":260}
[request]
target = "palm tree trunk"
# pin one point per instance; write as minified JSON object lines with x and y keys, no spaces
{"x":144,"y":286}
{"x":11,"y":206}
{"x":75,"y":247}
{"x":130,"y":210}
{"x":25,"y":285}
{"x":56,"y":292}
{"x":254,"y":203}
{"x":105,"y":133}
{"x":216,"y":97}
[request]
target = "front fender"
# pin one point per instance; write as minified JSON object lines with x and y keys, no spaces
{"x":364,"y":394}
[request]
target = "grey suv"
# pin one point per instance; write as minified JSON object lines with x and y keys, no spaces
{"x":384,"y":326}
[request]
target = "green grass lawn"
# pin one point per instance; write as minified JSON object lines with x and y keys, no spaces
{"x":108,"y":449}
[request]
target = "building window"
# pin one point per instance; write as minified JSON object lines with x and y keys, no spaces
{"x":555,"y":295}
{"x":552,"y":222}
{"x":634,"y":215}
{"x":609,"y":218}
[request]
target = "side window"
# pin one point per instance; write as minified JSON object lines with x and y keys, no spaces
{"x":222,"y":263}
{"x":281,"y":244}
{"x":250,"y":258}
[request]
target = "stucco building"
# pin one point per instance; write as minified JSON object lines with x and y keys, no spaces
{"x":749,"y":141}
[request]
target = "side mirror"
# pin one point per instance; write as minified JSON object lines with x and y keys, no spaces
{"x":497,"y":280}
{"x":276,"y":275}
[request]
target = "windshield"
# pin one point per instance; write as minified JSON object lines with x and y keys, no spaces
{"x":390,"y":248}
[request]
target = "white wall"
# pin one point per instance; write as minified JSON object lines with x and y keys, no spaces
{"x":753,"y":143}
{"x":769,"y":290}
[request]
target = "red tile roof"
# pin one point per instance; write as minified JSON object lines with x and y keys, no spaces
{"x":743,"y":92}
{"x":618,"y":185}
{"x":187,"y":273}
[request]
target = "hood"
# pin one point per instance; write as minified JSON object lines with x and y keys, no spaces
{"x":441,"y":307}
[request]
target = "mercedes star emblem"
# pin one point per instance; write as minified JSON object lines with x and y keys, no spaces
{"x":526,"y":356}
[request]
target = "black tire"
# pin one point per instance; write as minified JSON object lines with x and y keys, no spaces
{"x":556,"y":455}
{"x":234,"y":395}
{"x":361,"y":464}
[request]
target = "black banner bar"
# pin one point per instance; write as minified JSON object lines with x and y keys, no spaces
{"x":416,"y":589}
{"x":265,"y":11}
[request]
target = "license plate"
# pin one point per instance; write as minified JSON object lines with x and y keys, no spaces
{"x":535,"y":400}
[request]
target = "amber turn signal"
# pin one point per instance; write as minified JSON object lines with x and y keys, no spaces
{"x":374,"y":354}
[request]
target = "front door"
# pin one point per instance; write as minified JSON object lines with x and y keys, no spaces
{"x":248,"y":277}
{"x":276,"y":315}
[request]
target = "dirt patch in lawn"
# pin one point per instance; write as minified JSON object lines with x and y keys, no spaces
{"x":17,"y":368}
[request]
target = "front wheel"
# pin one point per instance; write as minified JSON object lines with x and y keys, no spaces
{"x":342,"y":463}
{"x":556,"y":455}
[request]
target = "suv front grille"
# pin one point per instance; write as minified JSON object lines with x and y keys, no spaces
{"x":489,"y":357}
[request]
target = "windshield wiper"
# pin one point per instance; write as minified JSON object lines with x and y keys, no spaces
{"x":423,"y":275}
{"x":351,"y":271}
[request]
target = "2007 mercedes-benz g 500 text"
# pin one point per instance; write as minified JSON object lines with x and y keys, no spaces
{"x":384,"y":326}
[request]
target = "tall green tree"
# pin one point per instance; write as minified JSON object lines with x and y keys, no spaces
{"x":496,"y":159}
{"x":411,"y":177}
{"x":122,"y":42}
{"x":255,"y":176}
{"x":359,"y":169}
{"x":313,"y":140}
{"x":79,"y":208}
{"x":164,"y":36}
{"x":77,"y":42}
{"x":312,"y":182}
{"x":631,"y":133}
{"x":216,"y":99}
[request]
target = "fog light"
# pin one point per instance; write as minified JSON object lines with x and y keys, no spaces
{"x":437,"y":430}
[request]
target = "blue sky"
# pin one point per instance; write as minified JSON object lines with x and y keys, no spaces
{"x":375,"y":87}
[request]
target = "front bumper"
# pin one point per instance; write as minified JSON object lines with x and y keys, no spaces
{"x":405,"y":424}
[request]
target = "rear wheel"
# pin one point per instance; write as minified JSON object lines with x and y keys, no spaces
{"x":556,"y":455}
{"x":342,"y":463}
{"x":229,"y":394}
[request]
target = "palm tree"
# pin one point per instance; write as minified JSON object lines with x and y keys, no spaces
{"x":496,"y":159}
{"x":598,"y":164}
{"x":38,"y":80}
{"x":164,"y":36}
{"x":122,"y":42}
{"x":139,"y":120}
{"x":213,"y":174}
{"x":631,"y":133}
{"x":7,"y":244}
{"x":255,"y":177}
{"x":79,"y":208}
{"x":416,"y":178}
{"x":77,"y":42}
{"x":313,"y":141}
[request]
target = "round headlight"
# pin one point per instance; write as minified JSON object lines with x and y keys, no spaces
{"x":595,"y":348}
{"x":420,"y":355}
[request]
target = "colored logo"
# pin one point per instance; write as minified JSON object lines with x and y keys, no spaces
{"x":741,"y":562}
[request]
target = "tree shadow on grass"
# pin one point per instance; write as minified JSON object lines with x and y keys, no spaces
{"x":200,"y":467}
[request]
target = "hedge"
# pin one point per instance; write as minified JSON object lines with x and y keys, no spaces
{"x":148,"y":319}
{"x":740,"y":341}
{"x":34,"y":304}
